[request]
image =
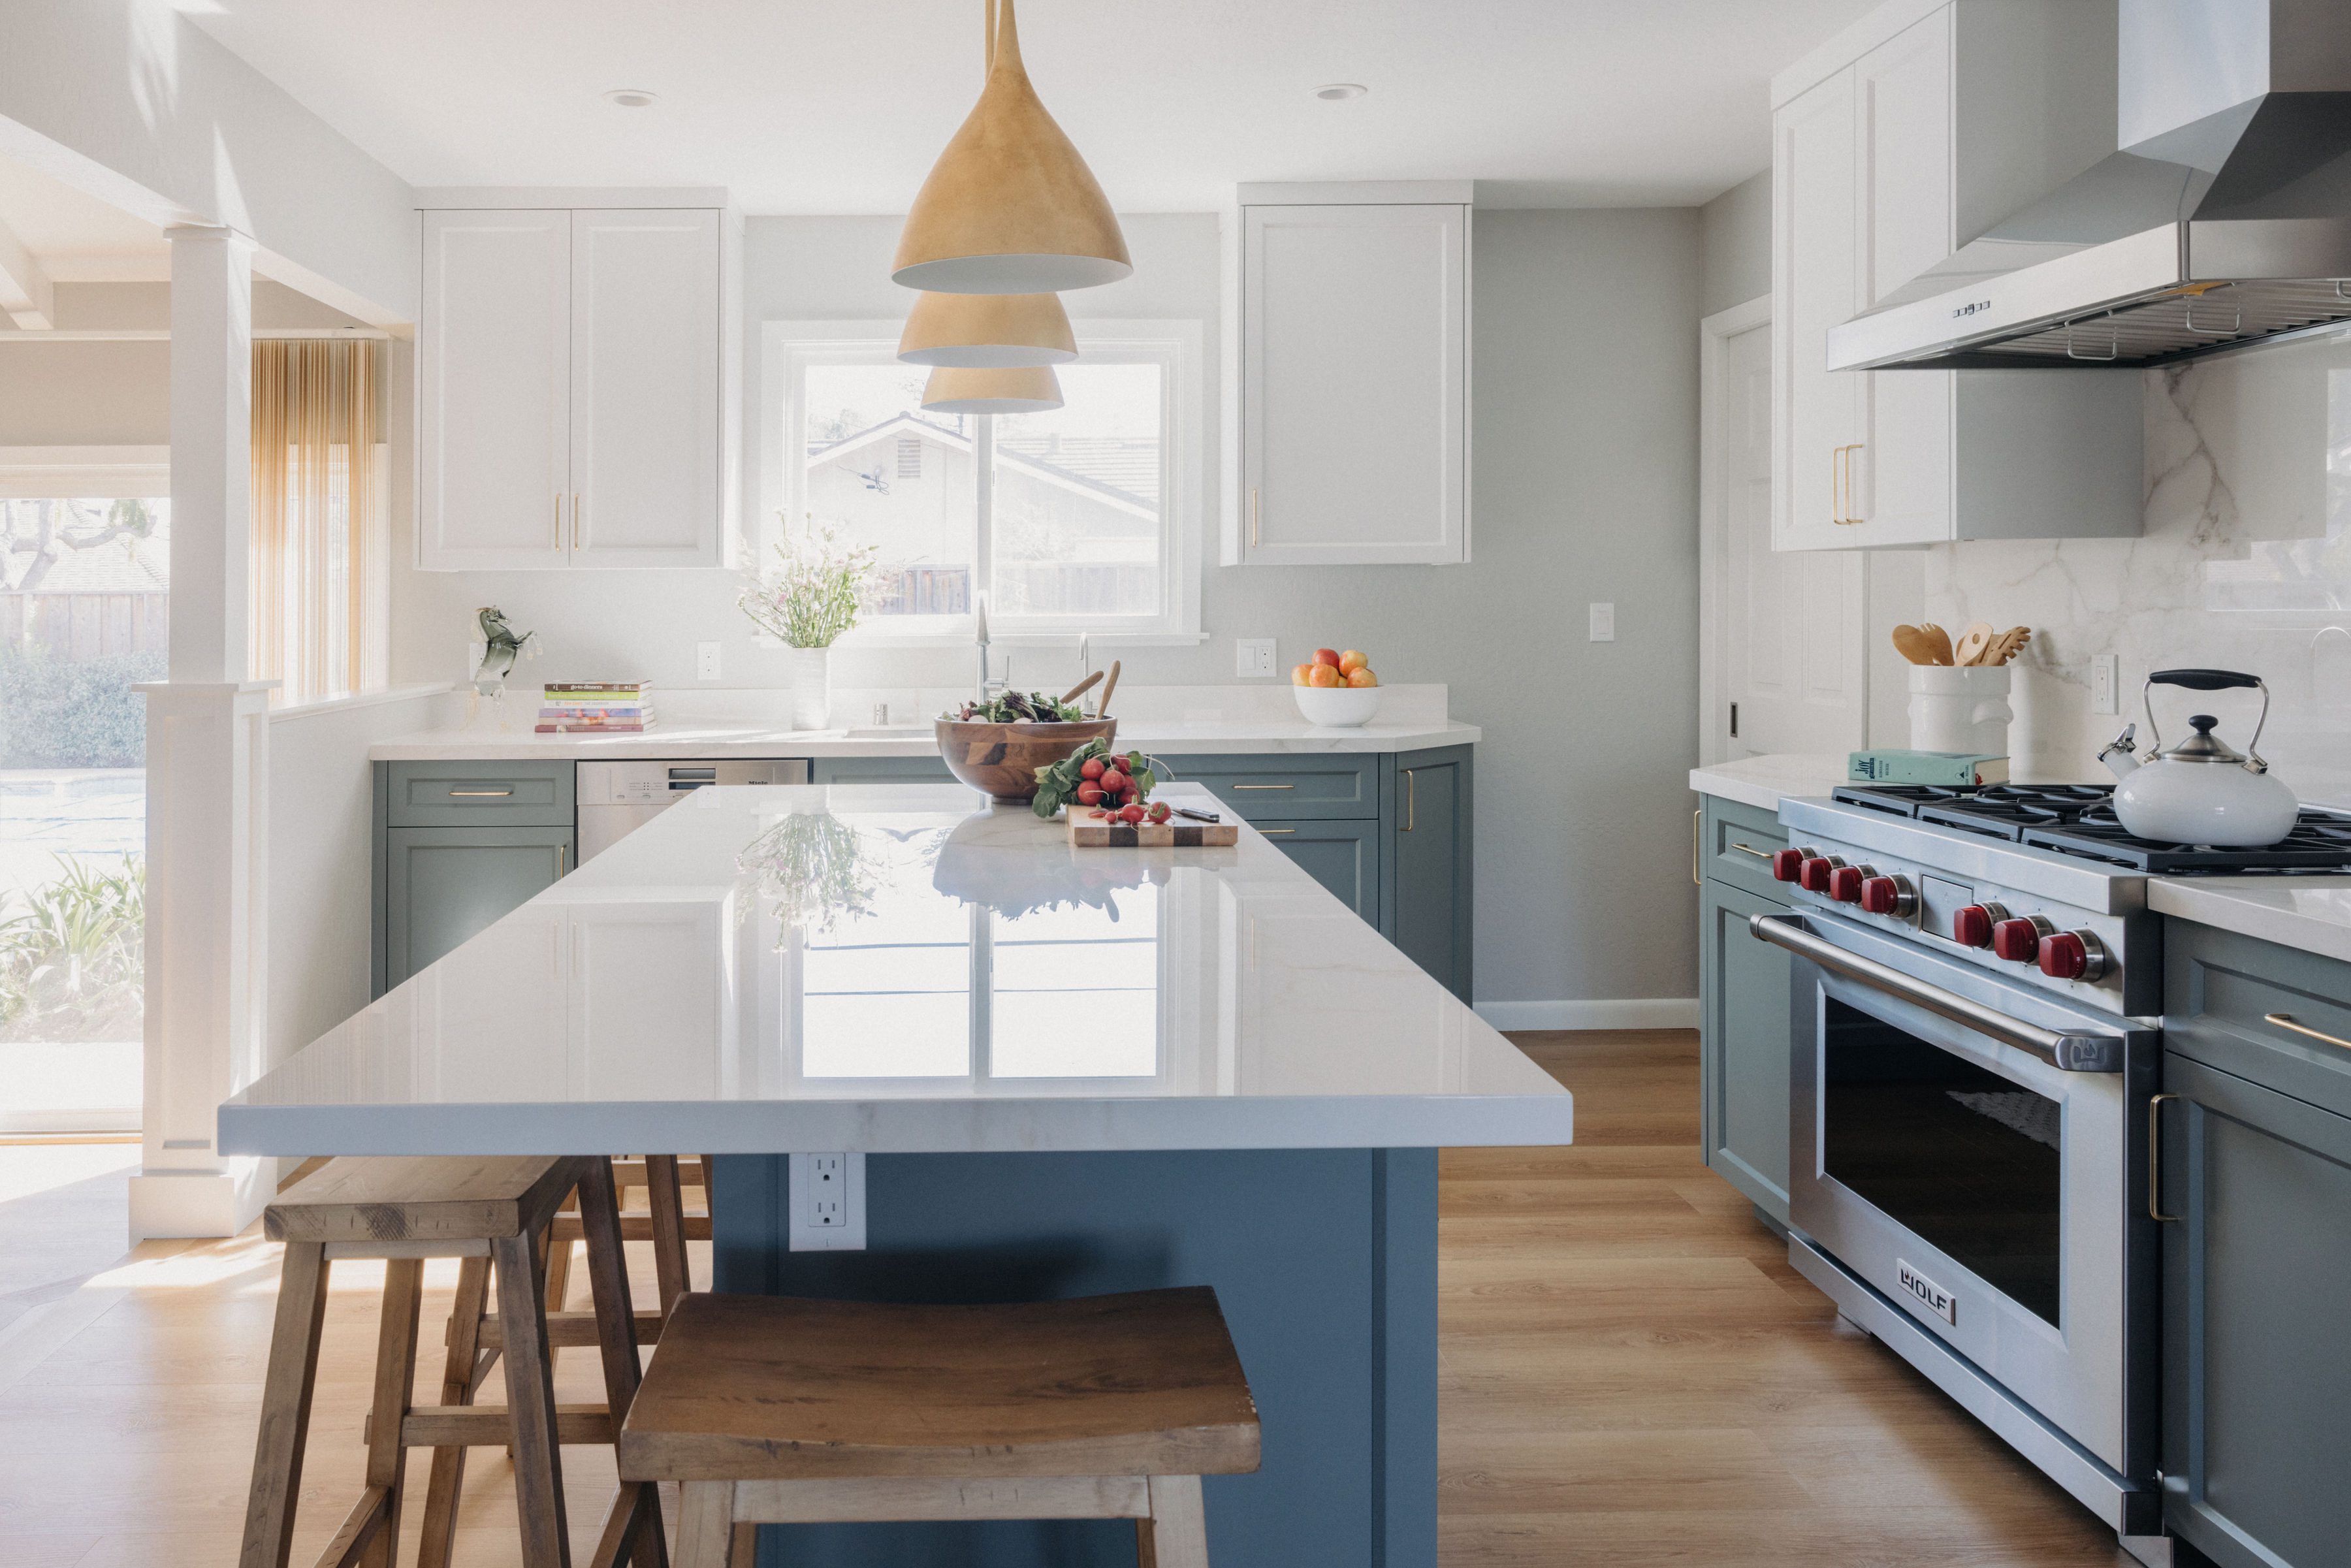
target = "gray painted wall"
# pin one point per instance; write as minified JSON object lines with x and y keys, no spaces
{"x":1734,"y":234}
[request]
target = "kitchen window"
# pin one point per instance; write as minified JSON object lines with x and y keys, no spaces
{"x":1082,"y":519}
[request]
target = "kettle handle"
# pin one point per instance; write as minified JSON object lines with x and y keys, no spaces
{"x":2209,"y":680}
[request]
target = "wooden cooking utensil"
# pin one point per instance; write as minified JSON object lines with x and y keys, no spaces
{"x":1912,"y":643}
{"x":1101,"y":709}
{"x":2009,"y":644}
{"x":1081,"y":688}
{"x":1942,"y":642}
{"x":1973,"y":642}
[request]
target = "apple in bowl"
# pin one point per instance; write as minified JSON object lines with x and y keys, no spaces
{"x":1336,"y":690}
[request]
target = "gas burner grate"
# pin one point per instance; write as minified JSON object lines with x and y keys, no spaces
{"x":1995,"y":810}
{"x":2079,"y":820}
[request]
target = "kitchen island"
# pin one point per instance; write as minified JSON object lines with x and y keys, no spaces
{"x":1070,"y":1072}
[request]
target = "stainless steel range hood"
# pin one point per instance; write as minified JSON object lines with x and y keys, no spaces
{"x":2225,"y":219}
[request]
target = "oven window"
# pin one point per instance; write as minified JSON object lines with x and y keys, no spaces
{"x":1962,"y":1156}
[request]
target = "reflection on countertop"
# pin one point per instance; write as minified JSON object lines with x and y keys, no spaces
{"x":898,"y":967}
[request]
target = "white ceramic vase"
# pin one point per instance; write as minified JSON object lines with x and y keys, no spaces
{"x":812,"y":689}
{"x":1961,"y":708}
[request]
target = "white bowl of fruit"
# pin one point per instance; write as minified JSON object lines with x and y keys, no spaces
{"x":1335,"y":690}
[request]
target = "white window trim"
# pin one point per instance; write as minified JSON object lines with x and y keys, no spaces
{"x":1183,"y":478}
{"x":85,"y":473}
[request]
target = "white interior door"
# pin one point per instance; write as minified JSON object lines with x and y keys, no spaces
{"x":1793,"y":621}
{"x":494,"y":371}
{"x":1354,"y":383}
{"x":646,"y":387}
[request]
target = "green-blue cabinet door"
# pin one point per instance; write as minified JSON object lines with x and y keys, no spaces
{"x":440,"y":885}
{"x":1744,"y":1047}
{"x":879,"y":770}
{"x":1425,"y":874}
{"x":2256,"y":1317}
{"x":1343,"y":856}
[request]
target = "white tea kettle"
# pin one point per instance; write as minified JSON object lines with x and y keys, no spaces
{"x":2202,"y":790}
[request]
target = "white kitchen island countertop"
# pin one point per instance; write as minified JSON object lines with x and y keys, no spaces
{"x":900,"y":967}
{"x":722,"y":740}
{"x":2309,"y":912}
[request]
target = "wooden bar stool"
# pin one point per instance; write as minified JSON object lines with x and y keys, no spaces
{"x":776,"y":1410}
{"x":488,"y":1212}
{"x":666,"y":1221}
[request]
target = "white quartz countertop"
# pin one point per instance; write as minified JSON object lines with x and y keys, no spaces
{"x":1763,"y":781}
{"x":2309,"y":912}
{"x":900,"y":967}
{"x":719,"y":741}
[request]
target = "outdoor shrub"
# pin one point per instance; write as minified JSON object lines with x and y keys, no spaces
{"x":69,"y":712}
{"x":72,"y":955}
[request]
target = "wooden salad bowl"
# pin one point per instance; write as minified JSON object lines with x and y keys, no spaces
{"x":1002,"y":759}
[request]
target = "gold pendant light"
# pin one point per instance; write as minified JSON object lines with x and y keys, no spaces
{"x":1019,"y":389}
{"x":987,"y":330}
{"x":1009,"y":207}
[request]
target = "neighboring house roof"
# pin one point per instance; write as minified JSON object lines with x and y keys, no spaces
{"x":1123,"y":472}
{"x":118,"y":566}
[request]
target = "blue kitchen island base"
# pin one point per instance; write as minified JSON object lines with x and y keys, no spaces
{"x":1325,"y":1263}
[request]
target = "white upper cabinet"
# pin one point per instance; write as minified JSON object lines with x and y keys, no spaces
{"x":1939,"y":121}
{"x":572,"y":375}
{"x":1355,"y":378}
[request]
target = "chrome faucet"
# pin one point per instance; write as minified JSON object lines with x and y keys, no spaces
{"x":1085,"y":667}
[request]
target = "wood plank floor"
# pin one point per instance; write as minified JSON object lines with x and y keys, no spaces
{"x":1632,"y":1375}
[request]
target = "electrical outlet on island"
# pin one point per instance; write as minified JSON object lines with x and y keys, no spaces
{"x":828,"y":1202}
{"x":705,"y":661}
{"x":1253,"y":658}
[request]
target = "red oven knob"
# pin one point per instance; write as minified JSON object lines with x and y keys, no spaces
{"x":2019,"y":941}
{"x":1971,"y":926}
{"x":1888,"y":895}
{"x":1813,"y":875}
{"x":2073,"y":955}
{"x":1787,"y":865}
{"x":1845,"y":883}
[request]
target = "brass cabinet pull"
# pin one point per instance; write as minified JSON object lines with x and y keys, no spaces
{"x":563,"y":860}
{"x":2285,"y":1021}
{"x":1840,"y":485}
{"x":483,"y":793}
{"x":1411,"y":797}
{"x":1270,"y":832}
{"x":2155,"y":1160}
{"x":1694,"y":880}
{"x":1750,"y":850}
{"x":1265,"y":786}
{"x":575,"y":519}
{"x":1253,"y":519}
{"x":558,"y":519}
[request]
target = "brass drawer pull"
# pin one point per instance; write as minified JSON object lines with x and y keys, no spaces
{"x":2285,"y":1021}
{"x":1694,"y":880}
{"x":471,"y":793}
{"x":1750,"y":850}
{"x":1265,"y":786}
{"x":1411,"y":799}
{"x":1270,"y":832}
{"x":2155,"y":1160}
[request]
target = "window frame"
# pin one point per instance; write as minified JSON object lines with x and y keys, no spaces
{"x":1174,"y":344}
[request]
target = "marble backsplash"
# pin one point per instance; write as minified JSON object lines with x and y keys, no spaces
{"x":2245,"y":564}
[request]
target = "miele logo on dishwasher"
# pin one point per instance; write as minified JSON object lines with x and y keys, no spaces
{"x":1930,"y":1295}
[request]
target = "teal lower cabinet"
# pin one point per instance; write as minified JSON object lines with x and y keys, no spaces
{"x":1390,"y":834}
{"x":2255,"y":1160}
{"x":1743,"y":1047}
{"x":1744,"y":993}
{"x":878,"y":770}
{"x":442,"y":885}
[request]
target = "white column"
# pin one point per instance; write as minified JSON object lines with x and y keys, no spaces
{"x":208,"y":771}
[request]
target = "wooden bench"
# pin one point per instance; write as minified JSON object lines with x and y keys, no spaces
{"x":772,"y":1410}
{"x":491,"y":1213}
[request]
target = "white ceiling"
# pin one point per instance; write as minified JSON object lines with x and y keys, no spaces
{"x":77,"y":237}
{"x":800,"y":107}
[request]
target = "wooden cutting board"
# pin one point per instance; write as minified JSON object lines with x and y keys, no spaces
{"x":1094,"y":834}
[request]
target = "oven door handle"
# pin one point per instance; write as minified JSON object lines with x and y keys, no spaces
{"x":2071,"y":1050}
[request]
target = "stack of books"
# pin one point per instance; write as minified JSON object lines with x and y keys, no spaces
{"x":578,"y":707}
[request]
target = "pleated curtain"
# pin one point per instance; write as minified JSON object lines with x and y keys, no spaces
{"x":319,"y":560}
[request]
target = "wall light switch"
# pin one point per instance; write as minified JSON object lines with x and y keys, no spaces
{"x":828,"y":1203}
{"x":1253,"y":657}
{"x":2104,"y":676}
{"x":1603,"y":623}
{"x":705,"y":661}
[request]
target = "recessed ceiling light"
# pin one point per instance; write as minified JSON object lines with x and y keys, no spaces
{"x":629,"y":97}
{"x":1340,"y":92}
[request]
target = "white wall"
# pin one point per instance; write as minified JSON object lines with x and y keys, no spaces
{"x":1585,"y":477}
{"x":1734,"y":234}
{"x":131,"y":101}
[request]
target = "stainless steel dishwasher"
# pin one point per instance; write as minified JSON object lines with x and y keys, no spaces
{"x":616,"y":799}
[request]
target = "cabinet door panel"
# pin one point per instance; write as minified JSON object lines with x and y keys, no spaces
{"x":444,"y":885}
{"x":1743,"y":1046}
{"x":1902,"y":471}
{"x":879,"y":770}
{"x":1427,"y":865}
{"x":494,"y":372}
{"x":1354,"y":390}
{"x":2257,"y":1398}
{"x":1342,"y":856}
{"x":1813,"y":242}
{"x":644,"y":388}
